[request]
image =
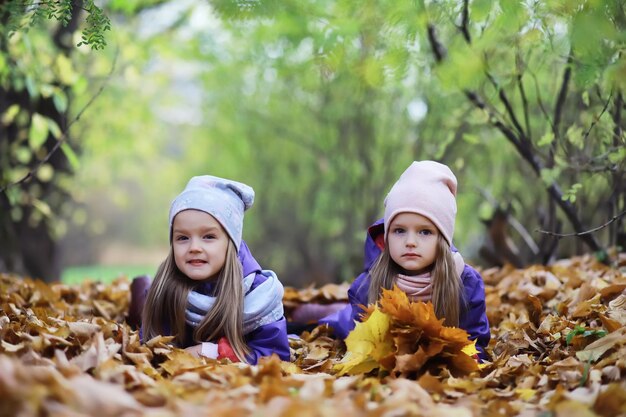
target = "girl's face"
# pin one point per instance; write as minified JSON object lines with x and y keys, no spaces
{"x":199,"y":242}
{"x":412,"y":242}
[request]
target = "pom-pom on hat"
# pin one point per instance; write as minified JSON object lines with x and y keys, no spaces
{"x":427,"y":188}
{"x":223,"y":199}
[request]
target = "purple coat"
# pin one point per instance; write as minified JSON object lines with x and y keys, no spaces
{"x":266,"y":339}
{"x":473,"y":318}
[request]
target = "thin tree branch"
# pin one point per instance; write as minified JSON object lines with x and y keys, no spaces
{"x":520,"y":86}
{"x":587,"y":232}
{"x":596,"y":119}
{"x":509,"y":108}
{"x":508,"y":132}
{"x":558,"y":107}
{"x":64,"y":134}
{"x":438,"y":49}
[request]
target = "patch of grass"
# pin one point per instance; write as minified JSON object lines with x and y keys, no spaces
{"x":104,"y":274}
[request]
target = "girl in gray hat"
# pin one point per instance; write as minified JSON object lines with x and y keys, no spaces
{"x":210,"y":293}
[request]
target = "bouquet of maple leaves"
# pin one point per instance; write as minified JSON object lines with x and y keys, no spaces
{"x":406,"y":339}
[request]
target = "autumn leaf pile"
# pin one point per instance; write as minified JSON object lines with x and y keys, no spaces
{"x":558,"y":349}
{"x":407,"y":339}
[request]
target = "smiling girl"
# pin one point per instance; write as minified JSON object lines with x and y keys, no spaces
{"x":210,"y":293}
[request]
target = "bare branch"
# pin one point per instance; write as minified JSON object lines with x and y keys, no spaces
{"x":587,"y":232}
{"x":558,"y":107}
{"x":64,"y":134}
{"x":508,"y":132}
{"x":520,"y":86}
{"x":509,"y":108}
{"x":438,"y":49}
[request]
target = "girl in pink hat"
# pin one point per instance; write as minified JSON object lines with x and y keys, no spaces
{"x":413,"y":250}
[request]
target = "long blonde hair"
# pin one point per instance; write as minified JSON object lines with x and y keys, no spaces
{"x":164,"y":310}
{"x":447,"y":295}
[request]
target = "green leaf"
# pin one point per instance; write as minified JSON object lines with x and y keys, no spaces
{"x":45,"y":173}
{"x":617,"y":156}
{"x":65,"y":70}
{"x":462,"y":69}
{"x":531,"y":37}
{"x":579,"y":330}
{"x":38,"y":131}
{"x":546,"y":139}
{"x":585,"y":98}
{"x":14,"y":194}
{"x":18,"y":173}
{"x":574,"y":332}
{"x":31,"y":87}
{"x":10,"y":113}
{"x":71,"y":156}
{"x":59,"y":98}
{"x":23,"y":154}
{"x":599,"y":333}
{"x":46,"y":90}
{"x":570,"y":195}
{"x":575,"y":136}
{"x":54,"y":129}
{"x":513,"y":14}
{"x":479,"y":9}
{"x":373,"y":72}
{"x":42,"y":207}
{"x":549,"y":176}
{"x":471,"y":138}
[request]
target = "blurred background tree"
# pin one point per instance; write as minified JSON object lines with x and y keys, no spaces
{"x":37,"y":79}
{"x":320,"y":106}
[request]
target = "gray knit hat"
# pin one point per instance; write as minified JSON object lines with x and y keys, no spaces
{"x":223,"y":199}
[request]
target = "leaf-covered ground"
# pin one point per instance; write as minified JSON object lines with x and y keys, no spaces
{"x":558,"y":349}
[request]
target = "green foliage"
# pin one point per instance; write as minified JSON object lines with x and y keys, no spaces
{"x":570,"y":195}
{"x":319,"y":105}
{"x":23,"y":15}
{"x":579,"y":330}
{"x":97,"y":24}
{"x":312,"y":103}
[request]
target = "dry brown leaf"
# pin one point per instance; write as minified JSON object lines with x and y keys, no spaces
{"x":595,"y":350}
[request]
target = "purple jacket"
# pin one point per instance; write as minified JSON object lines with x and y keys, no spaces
{"x":266,"y":339}
{"x":473,"y":317}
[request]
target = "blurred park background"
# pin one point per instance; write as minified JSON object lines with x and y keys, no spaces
{"x":108,"y":108}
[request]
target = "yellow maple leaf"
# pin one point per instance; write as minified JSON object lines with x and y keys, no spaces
{"x":525,"y":394}
{"x":367,"y":345}
{"x":470,"y":348}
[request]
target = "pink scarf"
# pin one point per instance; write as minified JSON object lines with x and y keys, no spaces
{"x":416,"y":287}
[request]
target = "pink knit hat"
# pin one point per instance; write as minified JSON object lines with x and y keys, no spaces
{"x":427,"y":188}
